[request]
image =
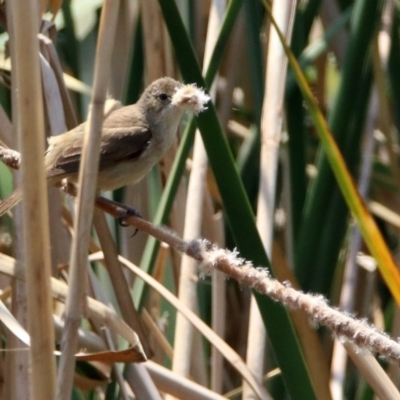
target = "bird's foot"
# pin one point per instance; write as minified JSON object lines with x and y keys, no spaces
{"x":128,"y":212}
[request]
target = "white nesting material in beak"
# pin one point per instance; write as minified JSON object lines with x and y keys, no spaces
{"x":191,"y":98}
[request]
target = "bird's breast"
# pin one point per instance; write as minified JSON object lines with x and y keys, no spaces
{"x":129,"y":171}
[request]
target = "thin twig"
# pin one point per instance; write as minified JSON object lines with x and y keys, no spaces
{"x":343,"y":326}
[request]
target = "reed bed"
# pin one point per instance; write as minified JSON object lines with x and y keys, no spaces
{"x":266,"y":261}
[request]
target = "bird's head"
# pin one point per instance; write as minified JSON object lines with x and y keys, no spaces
{"x":166,"y":96}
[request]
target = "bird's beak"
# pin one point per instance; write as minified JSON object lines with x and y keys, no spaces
{"x":190,"y":98}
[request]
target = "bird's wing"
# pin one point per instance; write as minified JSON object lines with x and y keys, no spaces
{"x":123,"y":145}
{"x":117,"y":145}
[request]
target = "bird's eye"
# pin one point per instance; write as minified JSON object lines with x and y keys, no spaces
{"x":163,"y":97}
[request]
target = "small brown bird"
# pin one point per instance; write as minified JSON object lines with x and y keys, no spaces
{"x":133,"y":138}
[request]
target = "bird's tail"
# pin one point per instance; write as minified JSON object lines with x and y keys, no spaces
{"x":9,"y":202}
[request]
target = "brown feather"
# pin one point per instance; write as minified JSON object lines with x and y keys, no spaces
{"x":133,"y":138}
{"x":118,"y":145}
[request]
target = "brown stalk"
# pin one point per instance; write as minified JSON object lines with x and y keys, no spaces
{"x":374,"y":374}
{"x":343,"y":326}
{"x":100,"y":313}
{"x":85,"y":202}
{"x":186,"y":358}
{"x":153,"y":42}
{"x":28,"y":114}
{"x":347,"y":328}
{"x":57,"y":109}
{"x":214,"y":230}
{"x":234,"y":359}
{"x":118,"y":279}
{"x":124,"y":297}
{"x":178,"y":386}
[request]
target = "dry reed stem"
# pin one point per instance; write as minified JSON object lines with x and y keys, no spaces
{"x":103,"y":315}
{"x":158,"y":334}
{"x":374,"y":374}
{"x":271,"y":127}
{"x":184,"y":340}
{"x":124,"y":395}
{"x":153,"y":32}
{"x":178,"y":386}
{"x":96,"y":311}
{"x":214,"y":230}
{"x":345,"y":327}
{"x":86,"y":195}
{"x":231,"y":355}
{"x":99,"y":294}
{"x":118,"y":280}
{"x":52,"y":97}
{"x":130,"y":315}
{"x":218,"y":295}
{"x":91,"y":342}
{"x":55,"y":116}
{"x":52,"y":57}
{"x":140,"y":382}
{"x":385,"y":213}
{"x":28,"y":117}
{"x":128,"y":17}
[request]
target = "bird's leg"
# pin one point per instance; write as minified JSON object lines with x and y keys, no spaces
{"x":128,"y":211}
